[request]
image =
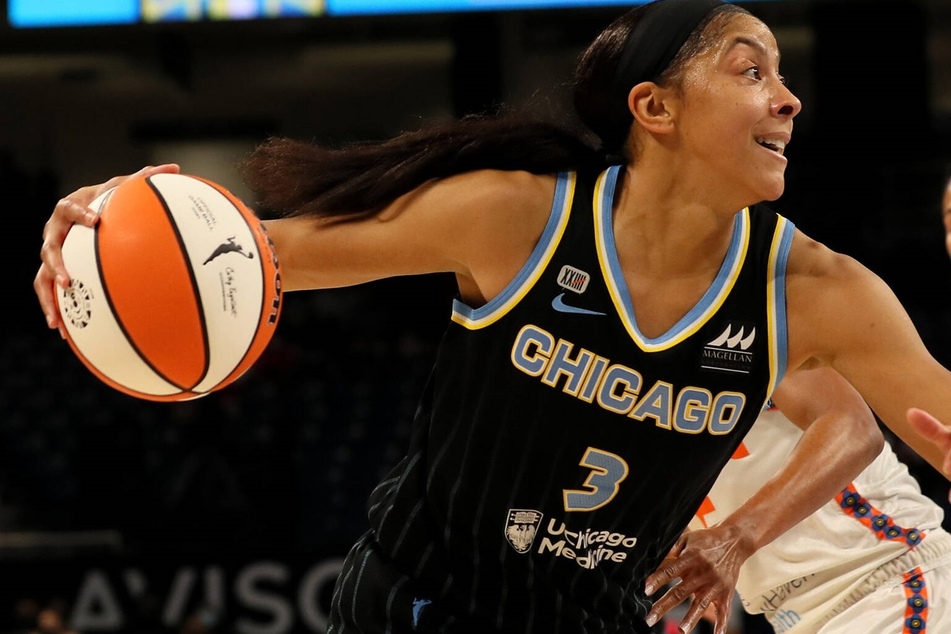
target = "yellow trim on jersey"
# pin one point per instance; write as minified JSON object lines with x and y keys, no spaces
{"x":531,"y":271}
{"x":617,"y":287}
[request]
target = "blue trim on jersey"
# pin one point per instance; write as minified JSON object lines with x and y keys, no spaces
{"x":787,"y":230}
{"x":530,"y":271}
{"x":711,"y":299}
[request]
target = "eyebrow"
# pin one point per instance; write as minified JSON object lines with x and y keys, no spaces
{"x":752,"y":43}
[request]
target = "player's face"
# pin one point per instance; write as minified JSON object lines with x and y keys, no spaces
{"x":737,"y":113}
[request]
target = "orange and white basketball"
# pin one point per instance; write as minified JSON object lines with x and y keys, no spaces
{"x":174,"y":293}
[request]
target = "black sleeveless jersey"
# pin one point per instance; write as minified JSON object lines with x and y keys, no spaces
{"x":558,"y":453}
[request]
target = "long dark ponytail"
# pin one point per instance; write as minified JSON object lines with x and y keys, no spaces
{"x":292,"y":177}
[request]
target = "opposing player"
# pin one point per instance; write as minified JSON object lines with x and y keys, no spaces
{"x":875,"y":558}
{"x":625,"y":311}
{"x":924,"y":423}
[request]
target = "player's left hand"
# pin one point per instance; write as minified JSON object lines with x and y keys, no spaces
{"x":707,"y":563}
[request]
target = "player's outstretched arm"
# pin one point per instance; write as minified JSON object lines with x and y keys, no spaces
{"x":841,"y":438}
{"x":416,"y":233}
{"x":840,"y":314}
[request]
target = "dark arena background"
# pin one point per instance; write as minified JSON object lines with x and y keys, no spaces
{"x":231,"y":513}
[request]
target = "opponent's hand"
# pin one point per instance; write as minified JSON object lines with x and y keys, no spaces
{"x":930,"y":428}
{"x":946,"y":216}
{"x":707,"y":562}
{"x":72,"y":209}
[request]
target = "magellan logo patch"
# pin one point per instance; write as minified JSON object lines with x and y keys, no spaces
{"x":573,"y":279}
{"x":521,"y":527}
{"x":730,"y":351}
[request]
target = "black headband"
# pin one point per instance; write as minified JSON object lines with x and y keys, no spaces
{"x":657,"y":37}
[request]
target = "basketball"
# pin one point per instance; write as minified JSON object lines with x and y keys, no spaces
{"x":174,"y":293}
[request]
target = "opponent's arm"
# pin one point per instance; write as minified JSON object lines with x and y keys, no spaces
{"x":946,"y":216}
{"x":923,"y":423}
{"x":841,"y":438}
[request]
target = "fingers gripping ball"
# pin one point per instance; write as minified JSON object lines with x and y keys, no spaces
{"x":174,"y":293}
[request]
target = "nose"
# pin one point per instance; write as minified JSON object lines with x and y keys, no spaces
{"x":785,"y":103}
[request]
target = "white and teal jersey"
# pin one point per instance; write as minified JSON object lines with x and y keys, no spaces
{"x":878,"y":527}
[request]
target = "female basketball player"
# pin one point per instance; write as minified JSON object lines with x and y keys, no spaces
{"x":619,"y":323}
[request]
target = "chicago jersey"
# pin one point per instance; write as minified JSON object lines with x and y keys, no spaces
{"x":558,"y":452}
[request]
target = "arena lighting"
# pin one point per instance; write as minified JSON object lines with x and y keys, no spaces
{"x":377,"y":7}
{"x":66,"y":13}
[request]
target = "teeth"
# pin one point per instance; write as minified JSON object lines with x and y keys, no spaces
{"x":779,"y":145}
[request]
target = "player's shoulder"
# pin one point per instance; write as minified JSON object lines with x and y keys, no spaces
{"x":812,"y":261}
{"x":485,"y":196}
{"x":501,"y":188}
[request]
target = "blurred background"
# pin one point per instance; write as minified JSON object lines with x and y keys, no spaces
{"x":232,"y":513}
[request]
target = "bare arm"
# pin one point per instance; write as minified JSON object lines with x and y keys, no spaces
{"x":842,"y":315}
{"x":923,"y":423}
{"x":841,"y":438}
{"x":481,"y":226}
{"x":946,"y":216}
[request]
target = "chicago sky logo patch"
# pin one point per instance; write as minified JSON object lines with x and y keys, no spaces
{"x":729,"y":352}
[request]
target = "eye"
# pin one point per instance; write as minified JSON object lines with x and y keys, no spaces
{"x":753,"y":71}
{"x":783,"y":80}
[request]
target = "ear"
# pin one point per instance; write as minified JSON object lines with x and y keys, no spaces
{"x":652,"y":107}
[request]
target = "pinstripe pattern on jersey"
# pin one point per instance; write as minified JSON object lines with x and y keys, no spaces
{"x":389,"y":603}
{"x":489,"y":438}
{"x":492,"y":311}
{"x":611,"y":269}
{"x":776,"y":296}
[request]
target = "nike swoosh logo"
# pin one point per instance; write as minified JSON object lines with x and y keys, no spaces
{"x":559,"y":304}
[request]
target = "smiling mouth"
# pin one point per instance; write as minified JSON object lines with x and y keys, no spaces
{"x":775,"y":145}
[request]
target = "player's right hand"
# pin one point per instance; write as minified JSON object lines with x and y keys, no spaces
{"x":72,"y":209}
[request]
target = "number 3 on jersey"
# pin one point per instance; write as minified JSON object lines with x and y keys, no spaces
{"x":608,"y":470}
